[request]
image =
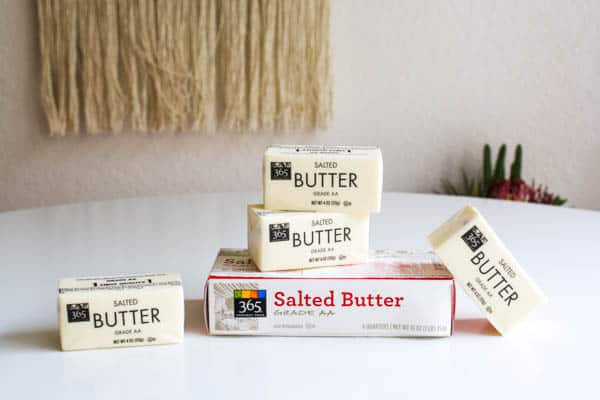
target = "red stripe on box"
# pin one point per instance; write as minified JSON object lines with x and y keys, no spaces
{"x":453,"y":308}
{"x":329,"y":278}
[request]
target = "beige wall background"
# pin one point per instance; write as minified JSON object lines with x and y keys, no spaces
{"x":428,"y":81}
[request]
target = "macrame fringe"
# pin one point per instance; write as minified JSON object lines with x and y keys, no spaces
{"x":173,"y":65}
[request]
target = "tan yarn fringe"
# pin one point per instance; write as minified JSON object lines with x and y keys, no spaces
{"x":173,"y":65}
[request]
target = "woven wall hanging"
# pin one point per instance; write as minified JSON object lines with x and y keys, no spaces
{"x":173,"y":65}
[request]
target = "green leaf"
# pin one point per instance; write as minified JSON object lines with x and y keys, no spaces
{"x":477,"y":190}
{"x":487,"y":166}
{"x":515,"y":168}
{"x":499,"y":171}
{"x":466,"y":183}
{"x":449,"y":187}
{"x":467,"y":186}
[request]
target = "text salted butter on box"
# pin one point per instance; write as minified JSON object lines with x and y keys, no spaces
{"x":392,"y":294}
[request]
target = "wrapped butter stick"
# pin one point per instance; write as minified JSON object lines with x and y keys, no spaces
{"x":280,"y":240}
{"x":120,"y":311}
{"x":323,"y":178}
{"x":484,"y":267}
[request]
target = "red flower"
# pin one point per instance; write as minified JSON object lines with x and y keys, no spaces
{"x":505,"y":189}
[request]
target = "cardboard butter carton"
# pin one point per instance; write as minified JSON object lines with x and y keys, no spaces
{"x":392,"y":294}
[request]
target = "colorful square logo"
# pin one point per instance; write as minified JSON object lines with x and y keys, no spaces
{"x":250,"y":303}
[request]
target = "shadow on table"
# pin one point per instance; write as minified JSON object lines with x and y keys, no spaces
{"x":47,"y":339}
{"x":42,"y":339}
{"x":194,"y":317}
{"x":474,"y":326}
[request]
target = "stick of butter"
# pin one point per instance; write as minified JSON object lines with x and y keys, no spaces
{"x":485,"y":268}
{"x":323,"y":178}
{"x":280,"y":240}
{"x":120,"y":311}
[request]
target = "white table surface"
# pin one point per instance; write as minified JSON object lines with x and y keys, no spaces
{"x":554,"y":354}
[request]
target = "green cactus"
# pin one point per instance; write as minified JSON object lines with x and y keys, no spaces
{"x":499,"y":170}
{"x":494,"y":184}
{"x":515,"y":168}
{"x":487,"y":168}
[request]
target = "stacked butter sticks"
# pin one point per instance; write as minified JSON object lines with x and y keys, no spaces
{"x":308,"y":269}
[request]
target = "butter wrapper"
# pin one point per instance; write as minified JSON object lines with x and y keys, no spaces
{"x":279,"y":240}
{"x":486,"y":269}
{"x":120,"y":311}
{"x":323,"y":178}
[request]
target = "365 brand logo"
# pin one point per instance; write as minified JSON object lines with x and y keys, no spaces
{"x":279,"y":232}
{"x":474,"y":238}
{"x":281,"y":170}
{"x":78,"y":312}
{"x":250,"y":303}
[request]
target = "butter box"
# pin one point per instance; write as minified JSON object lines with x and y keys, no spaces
{"x":393,"y":294}
{"x":323,"y":178}
{"x":485,"y":268}
{"x":119,"y":311}
{"x":279,"y":240}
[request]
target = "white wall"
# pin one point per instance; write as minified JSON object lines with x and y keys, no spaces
{"x":428,"y":81}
